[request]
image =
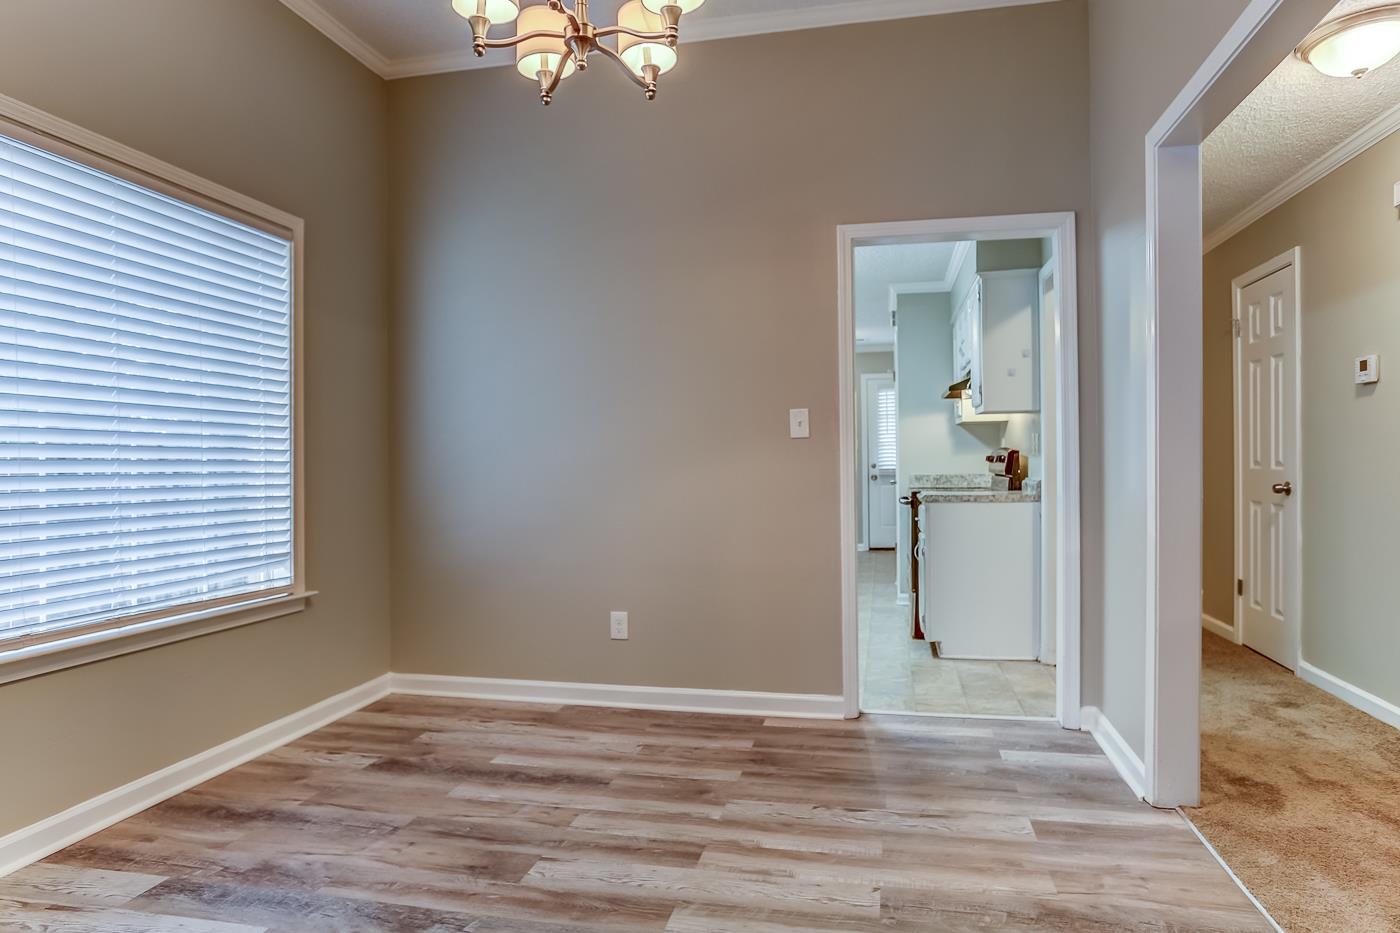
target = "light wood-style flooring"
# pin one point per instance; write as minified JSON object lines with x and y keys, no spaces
{"x":901,"y":675}
{"x":449,"y":816}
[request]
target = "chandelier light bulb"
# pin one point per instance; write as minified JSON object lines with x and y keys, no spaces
{"x":1354,"y":45}
{"x":686,"y":6}
{"x":638,"y":54}
{"x":543,"y":54}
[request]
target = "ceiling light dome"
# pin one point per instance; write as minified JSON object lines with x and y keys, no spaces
{"x":1356,"y":44}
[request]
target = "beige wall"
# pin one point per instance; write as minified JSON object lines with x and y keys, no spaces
{"x":1142,"y":52}
{"x":872,"y":362}
{"x":244,"y":93}
{"x":1350,"y":240}
{"x":595,"y":362}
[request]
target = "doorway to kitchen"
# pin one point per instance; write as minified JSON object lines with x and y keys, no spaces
{"x":959,"y":513}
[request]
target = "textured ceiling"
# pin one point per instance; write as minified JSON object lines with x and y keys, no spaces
{"x":1294,"y":118}
{"x":879,"y":267}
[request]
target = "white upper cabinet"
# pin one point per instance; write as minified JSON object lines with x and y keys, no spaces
{"x":994,"y":342}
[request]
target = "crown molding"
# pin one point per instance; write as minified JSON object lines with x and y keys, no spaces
{"x":812,"y":16}
{"x":1363,"y":139}
{"x":341,"y":35}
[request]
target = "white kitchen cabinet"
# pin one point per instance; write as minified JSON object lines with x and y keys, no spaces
{"x":981,"y":570}
{"x":994,"y":343}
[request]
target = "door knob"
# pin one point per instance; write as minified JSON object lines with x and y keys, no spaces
{"x":1283,"y":489}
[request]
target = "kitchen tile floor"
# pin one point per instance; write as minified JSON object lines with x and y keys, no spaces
{"x":901,"y":675}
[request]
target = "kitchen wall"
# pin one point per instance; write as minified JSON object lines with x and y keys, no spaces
{"x":246,"y":94}
{"x":594,"y":366}
{"x":930,"y":439}
{"x":866,"y":362}
{"x":1142,"y":52}
{"x":1350,"y":238}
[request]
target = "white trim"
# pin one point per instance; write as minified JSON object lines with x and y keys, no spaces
{"x":34,"y":842}
{"x":1060,"y":227}
{"x":1264,"y":34}
{"x":725,"y":26}
{"x":1126,"y":761}
{"x":930,"y":715}
{"x":341,"y":35}
{"x":49,"y":656}
{"x":1351,"y":147}
{"x":1223,"y":629}
{"x":1231,"y":872}
{"x":1292,"y":258}
{"x":17,"y":111}
{"x":624,"y":696}
{"x":1363,"y":700}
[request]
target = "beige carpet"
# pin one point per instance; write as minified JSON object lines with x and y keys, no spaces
{"x":1300,"y":793}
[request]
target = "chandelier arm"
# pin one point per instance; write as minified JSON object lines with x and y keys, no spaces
{"x":624,"y":31}
{"x":609,"y":53}
{"x":523,"y":37}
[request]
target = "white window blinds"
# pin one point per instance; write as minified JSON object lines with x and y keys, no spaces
{"x":886,"y":427}
{"x":145,"y":379}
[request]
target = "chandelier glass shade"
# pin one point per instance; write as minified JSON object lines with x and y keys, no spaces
{"x":552,"y":40}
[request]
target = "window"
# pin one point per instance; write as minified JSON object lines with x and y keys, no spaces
{"x":146,"y":400}
{"x":886,"y":427}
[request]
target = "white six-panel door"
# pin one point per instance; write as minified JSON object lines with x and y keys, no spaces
{"x":1267,"y":450}
{"x":881,"y":440}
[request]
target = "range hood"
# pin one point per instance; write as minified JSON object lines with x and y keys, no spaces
{"x":959,"y":389}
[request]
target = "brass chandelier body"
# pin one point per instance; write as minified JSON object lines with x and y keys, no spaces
{"x":553,"y":40}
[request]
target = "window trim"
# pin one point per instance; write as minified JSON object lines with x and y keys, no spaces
{"x":28,"y":656}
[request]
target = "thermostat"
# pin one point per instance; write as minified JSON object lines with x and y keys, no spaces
{"x":1368,"y":370}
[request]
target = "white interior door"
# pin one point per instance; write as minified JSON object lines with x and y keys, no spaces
{"x":1266,"y":419}
{"x":881,"y":440}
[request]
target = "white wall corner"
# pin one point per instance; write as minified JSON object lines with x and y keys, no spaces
{"x":1129,"y":766}
{"x":624,"y":696}
{"x":1363,"y":700}
{"x":31,"y":843}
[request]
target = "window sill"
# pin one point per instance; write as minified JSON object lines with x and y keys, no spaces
{"x":33,"y":660}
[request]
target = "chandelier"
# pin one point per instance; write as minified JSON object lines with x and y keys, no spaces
{"x":551,"y":41}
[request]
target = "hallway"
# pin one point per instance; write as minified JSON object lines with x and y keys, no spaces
{"x":1299,"y":793}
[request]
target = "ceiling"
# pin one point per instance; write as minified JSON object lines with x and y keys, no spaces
{"x":1295,"y":127}
{"x":401,"y":38}
{"x":927,"y":267}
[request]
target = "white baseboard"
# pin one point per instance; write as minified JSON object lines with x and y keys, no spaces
{"x":1369,"y":703}
{"x":862,"y":547}
{"x":673,"y":699}
{"x":1223,"y":629}
{"x":1129,"y":765}
{"x":27,"y":845}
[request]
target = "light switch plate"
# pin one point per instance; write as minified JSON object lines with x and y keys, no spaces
{"x":799,"y":423}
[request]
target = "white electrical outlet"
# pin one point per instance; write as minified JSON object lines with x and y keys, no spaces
{"x":619,"y":626}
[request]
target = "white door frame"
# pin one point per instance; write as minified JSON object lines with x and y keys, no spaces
{"x":1264,"y":35}
{"x":865,"y":452}
{"x":1293,"y":258}
{"x":1065,"y":392}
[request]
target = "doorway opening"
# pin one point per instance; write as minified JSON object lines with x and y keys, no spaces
{"x":960,"y":468}
{"x":1298,"y":710}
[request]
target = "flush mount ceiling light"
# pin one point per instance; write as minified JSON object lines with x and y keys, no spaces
{"x":552,"y":41}
{"x":1354,"y":45}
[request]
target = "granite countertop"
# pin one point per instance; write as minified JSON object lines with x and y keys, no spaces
{"x":935,"y":488}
